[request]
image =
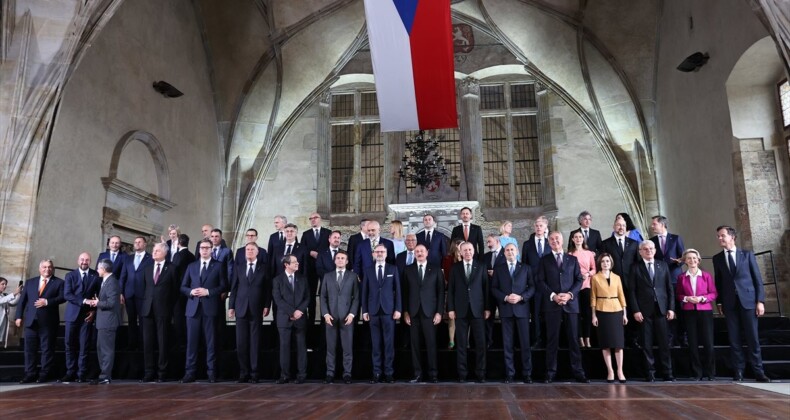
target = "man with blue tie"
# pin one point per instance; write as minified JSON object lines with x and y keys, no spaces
{"x":560,"y":278}
{"x":741,"y":300}
{"x":433,"y":240}
{"x":406,"y":258}
{"x":113,"y":254}
{"x":131,"y":283}
{"x":291,"y":292}
{"x":512,"y":288}
{"x":533,"y":249}
{"x":81,"y":285}
{"x":220,"y":252}
{"x":381,"y":305}
{"x":203,"y":284}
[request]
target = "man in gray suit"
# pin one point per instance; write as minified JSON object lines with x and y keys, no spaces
{"x":339,"y":303}
{"x":108,"y":318}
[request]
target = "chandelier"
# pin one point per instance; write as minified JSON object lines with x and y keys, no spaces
{"x":422,"y":162}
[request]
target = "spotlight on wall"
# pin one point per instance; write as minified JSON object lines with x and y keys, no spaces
{"x":167,"y":90}
{"x":694,"y":62}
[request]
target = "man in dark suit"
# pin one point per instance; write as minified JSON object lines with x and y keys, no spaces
{"x":423,"y":296}
{"x":652,"y":301}
{"x":741,"y":300}
{"x":561,"y":279}
{"x":206,"y":234}
{"x":364,"y":257}
{"x":250,"y":299}
{"x":406,"y":258}
{"x":533,"y":249}
{"x":114,"y":254}
{"x":494,"y":257}
{"x":591,"y":236}
{"x":469,"y":232}
{"x":38,"y":306}
{"x":313,"y":240}
{"x":108,"y":319}
{"x":203,"y":284}
{"x":290,"y":246}
{"x":381,"y":306}
{"x":670,"y":248}
{"x":291,"y":292}
{"x":339,"y":304}
{"x":160,"y":285}
{"x":221,"y":253}
{"x":241,"y":254}
{"x":468,"y":304}
{"x":131,"y":283}
{"x":355,"y":239}
{"x":181,"y":260}
{"x":278,"y":237}
{"x":325,"y":261}
{"x":434,"y":241}
{"x":512,"y":288}
{"x":80,"y":285}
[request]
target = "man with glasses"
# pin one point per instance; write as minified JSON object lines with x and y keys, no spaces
{"x":291,"y":292}
{"x":241,"y":254}
{"x":381,"y":305}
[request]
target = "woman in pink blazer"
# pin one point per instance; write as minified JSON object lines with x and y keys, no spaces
{"x":696,"y":292}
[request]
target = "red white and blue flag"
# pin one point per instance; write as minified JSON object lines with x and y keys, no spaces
{"x":412,"y":51}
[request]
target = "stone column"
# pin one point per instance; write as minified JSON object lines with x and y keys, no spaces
{"x":471,"y":142}
{"x":324,"y":163}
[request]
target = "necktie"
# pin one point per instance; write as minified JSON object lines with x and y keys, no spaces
{"x":334,"y":252}
{"x":136,"y":261}
{"x":466,"y":232}
{"x":651,"y":271}
{"x":281,"y":236}
{"x":428,"y":238}
{"x":112,"y":256}
{"x":663,"y":244}
{"x":620,"y":244}
{"x":42,"y":286}
{"x":250,"y":272}
{"x":339,"y":278}
{"x":585,"y":235}
{"x":540,"y":247}
{"x":214,"y":254}
{"x":373,"y":243}
{"x":291,"y":280}
{"x":156,"y":273}
{"x":409,"y":258}
{"x":84,"y":276}
{"x":420,"y":272}
{"x":493,"y":259}
{"x":731,"y":263}
{"x":468,"y":270}
{"x":315,"y":233}
{"x":203,"y":271}
{"x":288,"y":250}
{"x":512,"y":269}
{"x":559,"y":260}
{"x":381,"y":274}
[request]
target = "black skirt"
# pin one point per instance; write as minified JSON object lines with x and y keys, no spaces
{"x":610,"y":330}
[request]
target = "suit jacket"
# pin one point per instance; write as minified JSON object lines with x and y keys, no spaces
{"x":339,"y":300}
{"x":158,"y":299}
{"x":288,"y":300}
{"x":117,"y":265}
{"x":308,"y":239}
{"x":197,"y":246}
{"x":643,"y":292}
{"x":521,"y":283}
{"x":606,"y":297}
{"x":353,"y":242}
{"x":108,"y":310}
{"x":364,"y":257}
{"x":385,"y":294}
{"x":180,"y":262}
{"x":622,"y":260}
{"x":675,"y":249}
{"x":553,"y":279}
{"x":240,"y":257}
{"x":475,"y":237}
{"x":214,"y":280}
{"x":250,"y":294}
{"x":274,"y":240}
{"x":529,"y":253}
{"x":705,"y":287}
{"x":745,"y":286}
{"x":275,"y":261}
{"x":225,"y":257}
{"x":400,"y":262}
{"x":131,"y":281}
{"x":468,"y":295}
{"x":75,"y":291}
{"x":500,"y":259}
{"x":48,"y":315}
{"x":594,"y":241}
{"x":423,"y":297}
{"x":437,"y":249}
{"x":324,"y":262}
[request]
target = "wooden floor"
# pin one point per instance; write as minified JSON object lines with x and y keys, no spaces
{"x":124,"y":400}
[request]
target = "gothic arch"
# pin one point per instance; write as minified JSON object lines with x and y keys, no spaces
{"x":157,"y":155}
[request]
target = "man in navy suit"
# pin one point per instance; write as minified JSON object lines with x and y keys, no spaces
{"x":669,"y":248}
{"x":181,"y":260}
{"x":160,"y":286}
{"x":355,"y":239}
{"x":220,"y":252}
{"x":494,"y":257}
{"x":38,"y":306}
{"x":591,"y":236}
{"x":203,"y":284}
{"x":512,"y":288}
{"x":313,"y":240}
{"x":250,"y":299}
{"x":381,"y":305}
{"x":433,"y":240}
{"x":291,"y":292}
{"x":325,"y":261}
{"x":364,"y":257}
{"x":81,"y":285}
{"x":741,"y":300}
{"x":533,"y":249}
{"x":278,"y":237}
{"x":131,"y":284}
{"x":469,"y":232}
{"x":241,"y":254}
{"x":561,"y":279}
{"x":468,"y":303}
{"x":289,"y":246}
{"x":115,"y":255}
{"x":206,"y":234}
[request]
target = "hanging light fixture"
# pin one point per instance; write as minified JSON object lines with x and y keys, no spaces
{"x":422,"y":162}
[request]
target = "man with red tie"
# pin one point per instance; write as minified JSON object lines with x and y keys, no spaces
{"x":160,"y":283}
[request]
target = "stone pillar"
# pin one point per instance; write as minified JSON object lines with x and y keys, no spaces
{"x":324,"y":180}
{"x":471,"y":142}
{"x":547,"y":131}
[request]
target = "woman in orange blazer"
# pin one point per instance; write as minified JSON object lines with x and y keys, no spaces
{"x":696,"y":292}
{"x":607,"y":301}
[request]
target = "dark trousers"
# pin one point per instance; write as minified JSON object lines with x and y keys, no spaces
{"x":155,"y":335}
{"x":382,"y":334}
{"x":537,"y":304}
{"x":197,"y":325}
{"x":133,"y":334}
{"x":585,"y":313}
{"x":312,"y":281}
{"x":39,"y":336}
{"x":422,"y":329}
{"x":462,"y":326}
{"x":299,"y":330}
{"x":509,"y":325}
{"x":655,"y":329}
{"x":699,"y":326}
{"x":105,"y":350}
{"x":346,"y":333}
{"x":180,"y":322}
{"x":77,"y":339}
{"x":554,"y":323}
{"x":742,"y":326}
{"x":248,"y":338}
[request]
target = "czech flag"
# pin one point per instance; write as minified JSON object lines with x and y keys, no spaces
{"x":412,"y":51}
